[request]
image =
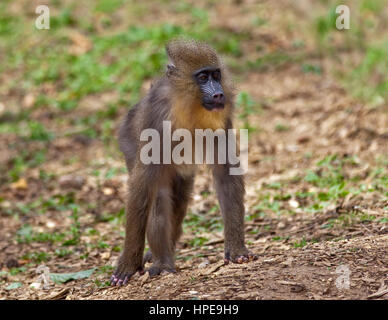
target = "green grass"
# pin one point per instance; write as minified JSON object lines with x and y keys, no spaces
{"x":37,"y":257}
{"x":281,"y":127}
{"x":199,"y":223}
{"x":273,"y":60}
{"x":326,"y":24}
{"x":247,"y":106}
{"x":26,"y":234}
{"x":21,"y":163}
{"x":312,"y":68}
{"x":300,"y":244}
{"x":327,"y":184}
{"x":365,"y":78}
{"x":63,"y":252}
{"x":369,"y":80}
{"x":348,"y":219}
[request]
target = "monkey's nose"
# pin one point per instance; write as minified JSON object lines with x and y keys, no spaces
{"x":219,"y":98}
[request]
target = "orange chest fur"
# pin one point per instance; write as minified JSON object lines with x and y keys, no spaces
{"x":193,"y":117}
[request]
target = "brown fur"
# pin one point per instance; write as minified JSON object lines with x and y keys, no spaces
{"x":159,"y":194}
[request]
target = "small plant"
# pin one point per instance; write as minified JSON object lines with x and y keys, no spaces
{"x":61,"y":252}
{"x":37,"y":257}
{"x":301,"y":243}
{"x":281,"y":127}
{"x":311,"y":68}
{"x":369,"y":80}
{"x":325,"y":24}
{"x":197,"y":241}
{"x":75,"y":231}
{"x":38,"y":132}
{"x":246,"y":107}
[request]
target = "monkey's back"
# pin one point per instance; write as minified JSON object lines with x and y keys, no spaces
{"x":148,"y":113}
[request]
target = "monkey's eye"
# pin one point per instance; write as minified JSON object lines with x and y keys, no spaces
{"x":203,"y":77}
{"x":216,"y":75}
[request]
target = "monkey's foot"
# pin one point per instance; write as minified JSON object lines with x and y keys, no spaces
{"x":240,"y":258}
{"x":158,"y":268}
{"x":122,"y":275}
{"x":147,"y":257}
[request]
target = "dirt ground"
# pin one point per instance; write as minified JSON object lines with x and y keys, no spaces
{"x":304,"y":117}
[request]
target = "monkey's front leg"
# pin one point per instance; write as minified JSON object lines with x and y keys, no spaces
{"x":230,"y":192}
{"x":139,"y":203}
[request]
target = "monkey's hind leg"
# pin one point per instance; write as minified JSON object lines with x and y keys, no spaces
{"x":181,"y":193}
{"x":182,"y":189}
{"x":159,"y":234}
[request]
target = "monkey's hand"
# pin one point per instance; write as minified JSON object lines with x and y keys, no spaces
{"x":241,"y":255}
{"x":124,"y":272}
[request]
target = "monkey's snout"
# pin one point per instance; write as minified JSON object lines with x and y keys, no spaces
{"x":217,"y":102}
{"x":218,"y":98}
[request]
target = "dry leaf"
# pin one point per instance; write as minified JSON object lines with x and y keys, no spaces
{"x":105,"y":255}
{"x":107,"y":191}
{"x":144,"y":278}
{"x":28,"y":100}
{"x":20,"y":184}
{"x":81,"y":44}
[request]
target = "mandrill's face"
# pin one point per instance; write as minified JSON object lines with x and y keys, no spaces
{"x":209,"y":82}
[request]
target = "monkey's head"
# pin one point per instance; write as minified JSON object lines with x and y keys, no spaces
{"x":195,"y":66}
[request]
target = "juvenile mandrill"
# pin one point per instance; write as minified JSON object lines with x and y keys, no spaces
{"x":195,"y":93}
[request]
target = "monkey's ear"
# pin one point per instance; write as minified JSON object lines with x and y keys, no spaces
{"x":170,"y":69}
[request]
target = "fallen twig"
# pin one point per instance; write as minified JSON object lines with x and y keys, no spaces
{"x":382,"y":291}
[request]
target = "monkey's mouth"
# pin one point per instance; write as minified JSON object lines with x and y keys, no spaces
{"x":214,"y":106}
